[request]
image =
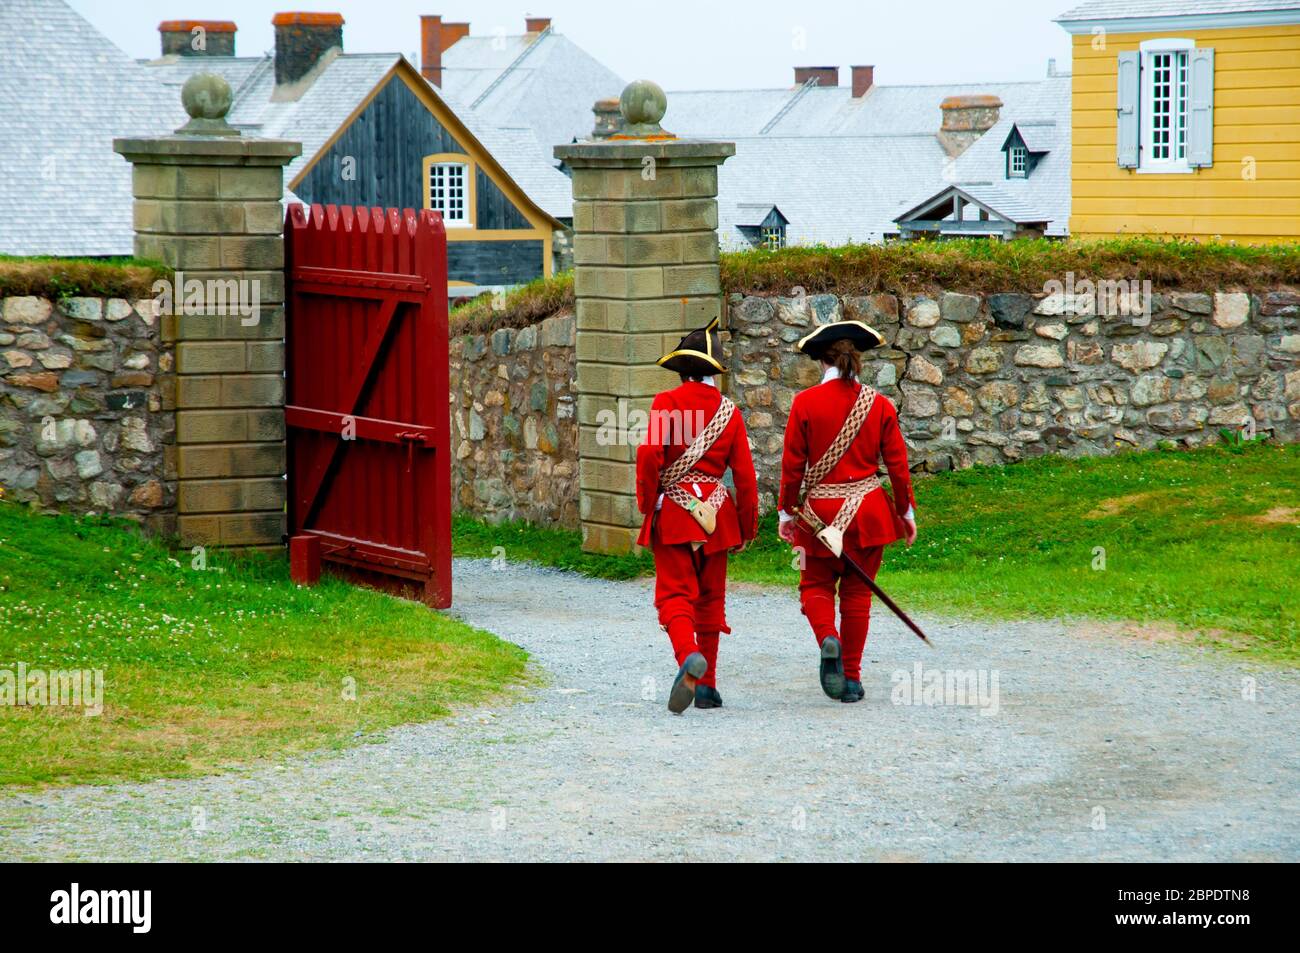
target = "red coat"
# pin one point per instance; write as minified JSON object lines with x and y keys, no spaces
{"x":815,"y":418}
{"x":694,"y":404}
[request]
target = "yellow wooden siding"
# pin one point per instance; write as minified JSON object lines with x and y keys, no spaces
{"x":1256,"y":118}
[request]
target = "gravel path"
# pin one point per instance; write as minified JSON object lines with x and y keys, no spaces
{"x":1100,"y":748}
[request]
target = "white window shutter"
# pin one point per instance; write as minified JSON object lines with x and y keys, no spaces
{"x":1126,"y":132}
{"x":1200,"y":96}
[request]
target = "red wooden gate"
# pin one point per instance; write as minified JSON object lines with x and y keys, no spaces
{"x":367,"y":407}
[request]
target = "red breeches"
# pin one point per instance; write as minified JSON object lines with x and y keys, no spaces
{"x":691,"y":596}
{"x":818,"y":583}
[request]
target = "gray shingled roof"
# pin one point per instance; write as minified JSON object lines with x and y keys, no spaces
{"x":836,"y":188}
{"x":65,"y":92}
{"x":332,"y":97}
{"x":981,"y":169}
{"x":1133,"y":9}
{"x":1037,"y":135}
{"x":550,"y":86}
{"x":885,"y":110}
{"x":311,"y":119}
{"x":833,"y":189}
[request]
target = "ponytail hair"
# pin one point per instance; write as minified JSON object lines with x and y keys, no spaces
{"x":845,"y":358}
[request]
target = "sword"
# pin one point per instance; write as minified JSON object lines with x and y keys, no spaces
{"x":871,"y":583}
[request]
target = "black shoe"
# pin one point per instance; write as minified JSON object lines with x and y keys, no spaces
{"x":852,"y":692}
{"x":682,"y":693}
{"x":832,"y":668}
{"x":706,"y":696}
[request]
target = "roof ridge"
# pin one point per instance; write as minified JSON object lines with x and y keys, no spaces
{"x":786,"y":89}
{"x":810,"y":83}
{"x":253,"y":76}
{"x":509,"y":69}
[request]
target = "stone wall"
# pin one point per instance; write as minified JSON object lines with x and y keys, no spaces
{"x":996,"y":378}
{"x":85,"y":421}
{"x":87,"y":425}
{"x":514,"y":426}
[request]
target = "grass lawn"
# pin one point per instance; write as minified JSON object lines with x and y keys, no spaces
{"x":203,"y":668}
{"x":1206,"y":541}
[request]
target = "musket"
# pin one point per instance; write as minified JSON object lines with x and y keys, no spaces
{"x":862,"y":574}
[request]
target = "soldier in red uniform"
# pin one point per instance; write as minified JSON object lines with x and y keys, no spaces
{"x":838,"y":432}
{"x":691,"y":522}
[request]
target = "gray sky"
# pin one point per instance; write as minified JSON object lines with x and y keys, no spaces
{"x":681,"y":44}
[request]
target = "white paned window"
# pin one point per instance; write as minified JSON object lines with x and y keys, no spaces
{"x":1165,"y":108}
{"x":772,"y":237}
{"x":1018,"y":162}
{"x":448,"y":192}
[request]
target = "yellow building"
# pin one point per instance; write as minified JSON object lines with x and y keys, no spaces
{"x":1186,"y":118}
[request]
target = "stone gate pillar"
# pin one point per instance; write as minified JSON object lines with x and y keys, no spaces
{"x":207,"y":203}
{"x":645,"y":248}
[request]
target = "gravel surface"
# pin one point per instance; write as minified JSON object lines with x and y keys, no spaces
{"x":1100,"y":748}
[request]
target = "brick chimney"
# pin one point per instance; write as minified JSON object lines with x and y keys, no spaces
{"x":825,"y":75}
{"x":431,"y":48}
{"x":536,"y":24}
{"x":301,"y":39}
{"x":197,"y":37}
{"x":451,"y":32}
{"x":965,"y":119}
{"x":609,"y":118}
{"x":436,"y":38}
{"x":863,"y":78}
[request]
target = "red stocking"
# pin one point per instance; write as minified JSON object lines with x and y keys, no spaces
{"x":853,"y":631}
{"x":681,"y":630}
{"x":709,"y":648}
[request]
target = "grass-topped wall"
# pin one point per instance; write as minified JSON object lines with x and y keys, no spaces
{"x":56,"y":278}
{"x":967,"y":265}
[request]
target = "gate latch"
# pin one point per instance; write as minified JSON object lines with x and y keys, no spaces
{"x":411,"y":438}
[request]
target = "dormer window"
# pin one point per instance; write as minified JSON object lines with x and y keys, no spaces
{"x":1017,"y":162}
{"x":1026,"y":145}
{"x":773,"y":237}
{"x":761,"y":224}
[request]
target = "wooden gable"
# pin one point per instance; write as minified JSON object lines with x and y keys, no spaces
{"x":378,"y":157}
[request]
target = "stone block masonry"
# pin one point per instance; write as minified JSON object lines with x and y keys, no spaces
{"x":209,"y":207}
{"x":645,"y":251}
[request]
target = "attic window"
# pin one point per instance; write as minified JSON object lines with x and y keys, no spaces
{"x":1017,"y":162}
{"x":448,"y":191}
{"x":772,"y":237}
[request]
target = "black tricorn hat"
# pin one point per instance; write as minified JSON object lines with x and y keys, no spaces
{"x":863,"y":336}
{"x":697,"y":354}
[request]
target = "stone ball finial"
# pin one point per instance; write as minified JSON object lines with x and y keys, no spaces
{"x":643,"y":104}
{"x":207,"y":98}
